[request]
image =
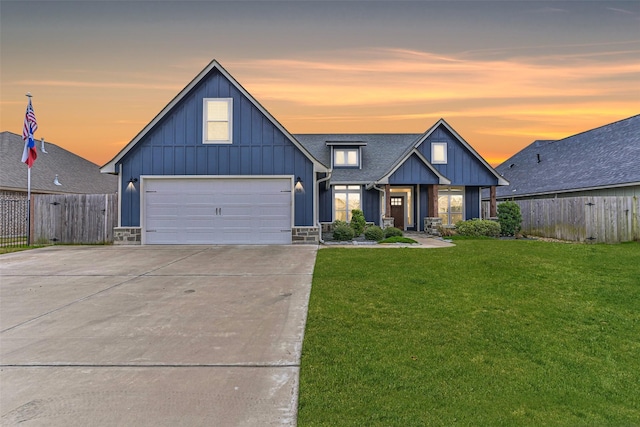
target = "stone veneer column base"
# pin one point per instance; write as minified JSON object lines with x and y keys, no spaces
{"x":431,"y":225}
{"x":387,"y":222}
{"x":305,"y":235}
{"x":127,"y":236}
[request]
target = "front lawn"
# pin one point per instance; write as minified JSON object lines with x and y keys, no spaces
{"x":489,"y":332}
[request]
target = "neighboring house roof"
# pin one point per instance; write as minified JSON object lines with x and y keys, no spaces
{"x":110,"y":167}
{"x":77,"y":175}
{"x":608,"y":156}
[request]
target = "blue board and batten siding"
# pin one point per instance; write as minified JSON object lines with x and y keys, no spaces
{"x":413,"y":171}
{"x":174,"y":147}
{"x":462,"y":167}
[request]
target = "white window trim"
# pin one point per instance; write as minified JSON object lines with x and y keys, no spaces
{"x":438,"y":162}
{"x":346,"y":150}
{"x":205,"y":120}
{"x":347,"y":191}
{"x":447,"y":190}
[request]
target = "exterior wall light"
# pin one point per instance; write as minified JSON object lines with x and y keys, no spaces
{"x":131,"y":185}
{"x":299,"y":187}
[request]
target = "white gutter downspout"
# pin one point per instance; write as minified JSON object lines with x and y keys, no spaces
{"x":320,"y":181}
{"x":384,"y":199}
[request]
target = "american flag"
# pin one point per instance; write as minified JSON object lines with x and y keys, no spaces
{"x":29,"y":154}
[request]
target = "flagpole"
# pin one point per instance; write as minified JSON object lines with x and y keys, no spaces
{"x":28,"y":95}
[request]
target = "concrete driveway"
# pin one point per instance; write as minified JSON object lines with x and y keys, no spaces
{"x":152,"y":335}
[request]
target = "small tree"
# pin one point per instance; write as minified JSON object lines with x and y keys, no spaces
{"x":357,"y":221}
{"x":510,"y":218}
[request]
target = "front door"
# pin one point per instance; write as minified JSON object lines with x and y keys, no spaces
{"x":397,"y":211}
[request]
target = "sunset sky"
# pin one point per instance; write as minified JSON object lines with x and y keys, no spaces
{"x":502,"y":73}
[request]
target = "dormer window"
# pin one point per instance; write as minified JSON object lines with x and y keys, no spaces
{"x":217,"y":121}
{"x":346,"y":157}
{"x":346,"y":154}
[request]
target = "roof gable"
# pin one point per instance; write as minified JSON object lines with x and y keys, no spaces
{"x":467,"y":167}
{"x":110,"y":167}
{"x":415,"y":169}
{"x":606,"y":156}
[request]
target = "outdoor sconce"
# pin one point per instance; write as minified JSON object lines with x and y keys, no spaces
{"x":299,"y":187}
{"x":131,"y":185}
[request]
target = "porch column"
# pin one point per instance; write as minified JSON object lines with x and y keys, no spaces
{"x":387,"y":197}
{"x":493,"y":209}
{"x":432,"y":200}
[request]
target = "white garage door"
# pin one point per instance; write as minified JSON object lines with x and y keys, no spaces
{"x":217,"y":211}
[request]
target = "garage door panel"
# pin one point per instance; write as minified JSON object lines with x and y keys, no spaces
{"x":218,"y":211}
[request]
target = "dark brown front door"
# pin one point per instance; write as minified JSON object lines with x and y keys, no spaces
{"x":397,"y":212}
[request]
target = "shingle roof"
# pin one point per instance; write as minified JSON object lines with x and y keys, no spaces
{"x":379,"y":155}
{"x":77,"y":175}
{"x":607,"y":156}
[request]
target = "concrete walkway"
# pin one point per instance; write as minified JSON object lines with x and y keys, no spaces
{"x":423,"y":242}
{"x":152,"y":335}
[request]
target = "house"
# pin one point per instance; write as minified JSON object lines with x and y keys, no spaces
{"x":55,"y":171}
{"x":604,"y":161}
{"x":215,"y":167}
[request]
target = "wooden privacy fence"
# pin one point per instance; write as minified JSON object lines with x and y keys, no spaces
{"x":74,"y":218}
{"x":602,"y":219}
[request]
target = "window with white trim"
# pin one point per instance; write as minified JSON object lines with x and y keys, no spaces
{"x":217,"y":121}
{"x":346,"y":157}
{"x":345,"y":199}
{"x":439,"y":153}
{"x":450,"y":204}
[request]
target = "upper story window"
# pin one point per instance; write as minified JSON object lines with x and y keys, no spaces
{"x":438,"y":152}
{"x":346,"y":154}
{"x":217,"y":121}
{"x":346,"y":157}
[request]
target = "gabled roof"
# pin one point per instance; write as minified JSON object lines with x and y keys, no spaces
{"x":607,"y":156}
{"x":110,"y":167}
{"x":382,"y":155}
{"x":77,"y":175}
{"x":442,"y":180}
{"x":442,"y":122}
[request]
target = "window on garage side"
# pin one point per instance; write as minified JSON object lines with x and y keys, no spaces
{"x":217,"y":121}
{"x":345,"y":199}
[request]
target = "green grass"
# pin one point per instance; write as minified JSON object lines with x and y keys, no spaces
{"x":488,"y":332}
{"x":397,"y":239}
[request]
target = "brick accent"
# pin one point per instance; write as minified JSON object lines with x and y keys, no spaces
{"x":305,"y":235}
{"x":127,"y":236}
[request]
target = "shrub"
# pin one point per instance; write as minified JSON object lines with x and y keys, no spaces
{"x":509,"y":218}
{"x":392,"y":231}
{"x":374,"y":233}
{"x":357,"y":221}
{"x":342,"y":232}
{"x":337,"y":223}
{"x":478,"y":227}
{"x":446,"y":231}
